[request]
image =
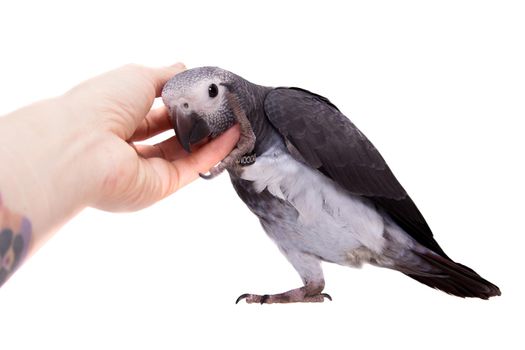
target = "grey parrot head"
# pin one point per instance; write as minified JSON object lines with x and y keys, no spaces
{"x":197,"y":100}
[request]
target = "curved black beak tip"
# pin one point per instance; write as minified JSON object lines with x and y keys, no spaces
{"x":189,"y":129}
{"x":182,"y":125}
{"x":184,"y":143}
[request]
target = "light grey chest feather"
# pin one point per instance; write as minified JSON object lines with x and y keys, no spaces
{"x":329,"y":222}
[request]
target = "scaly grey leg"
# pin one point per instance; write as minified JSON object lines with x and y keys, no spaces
{"x":244,"y":145}
{"x":309,"y":267}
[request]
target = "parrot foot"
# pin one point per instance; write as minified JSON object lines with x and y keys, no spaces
{"x":292,"y":296}
{"x":230,"y":162}
{"x":227,"y":163}
{"x":245,"y":144}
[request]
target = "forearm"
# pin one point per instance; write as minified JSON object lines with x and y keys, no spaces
{"x":40,"y":174}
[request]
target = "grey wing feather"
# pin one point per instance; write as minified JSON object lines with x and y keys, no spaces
{"x":331,"y":143}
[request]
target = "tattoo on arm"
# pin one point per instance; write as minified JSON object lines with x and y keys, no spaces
{"x":15,"y":235}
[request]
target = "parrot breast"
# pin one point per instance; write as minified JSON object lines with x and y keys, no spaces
{"x":301,"y":209}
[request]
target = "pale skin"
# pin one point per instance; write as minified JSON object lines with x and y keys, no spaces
{"x":61,"y":155}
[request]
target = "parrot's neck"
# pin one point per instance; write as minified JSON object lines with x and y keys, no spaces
{"x":265,"y":134}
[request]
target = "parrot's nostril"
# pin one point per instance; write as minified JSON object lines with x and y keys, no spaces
{"x":185,"y":105}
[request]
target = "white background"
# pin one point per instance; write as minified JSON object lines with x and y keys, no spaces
{"x":439,"y":88}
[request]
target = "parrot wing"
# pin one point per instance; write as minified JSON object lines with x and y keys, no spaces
{"x":317,"y":133}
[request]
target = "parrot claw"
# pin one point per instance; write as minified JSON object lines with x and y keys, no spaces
{"x":283,"y":298}
{"x":241,"y":297}
{"x":327,"y":296}
{"x":206,"y":176}
{"x":214,"y":172}
{"x":253,"y":298}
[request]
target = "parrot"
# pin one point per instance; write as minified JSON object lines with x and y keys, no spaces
{"x":321,"y":190}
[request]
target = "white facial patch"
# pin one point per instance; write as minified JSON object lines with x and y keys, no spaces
{"x":199,"y":100}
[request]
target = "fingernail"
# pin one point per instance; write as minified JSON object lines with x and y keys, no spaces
{"x":179,"y":65}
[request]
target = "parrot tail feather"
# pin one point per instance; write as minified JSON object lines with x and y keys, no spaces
{"x":454,"y":278}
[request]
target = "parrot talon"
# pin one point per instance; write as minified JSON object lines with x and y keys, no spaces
{"x":327,"y":296}
{"x":215,"y":171}
{"x":206,"y":176}
{"x":241,"y":297}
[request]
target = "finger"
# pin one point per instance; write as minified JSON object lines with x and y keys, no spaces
{"x":155,"y":122}
{"x":200,"y":161}
{"x":169,"y":149}
{"x":161,"y":75}
{"x":160,"y":178}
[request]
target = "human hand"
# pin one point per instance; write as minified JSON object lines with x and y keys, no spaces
{"x":60,"y":155}
{"x":115,"y":110}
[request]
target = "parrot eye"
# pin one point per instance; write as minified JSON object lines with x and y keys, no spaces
{"x":213,"y":90}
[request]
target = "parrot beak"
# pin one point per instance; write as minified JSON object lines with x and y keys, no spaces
{"x":189,"y":128}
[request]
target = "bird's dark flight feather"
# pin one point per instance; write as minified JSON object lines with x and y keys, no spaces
{"x":331,"y":143}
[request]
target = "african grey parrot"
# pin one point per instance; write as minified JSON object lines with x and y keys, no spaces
{"x":320,"y":188}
